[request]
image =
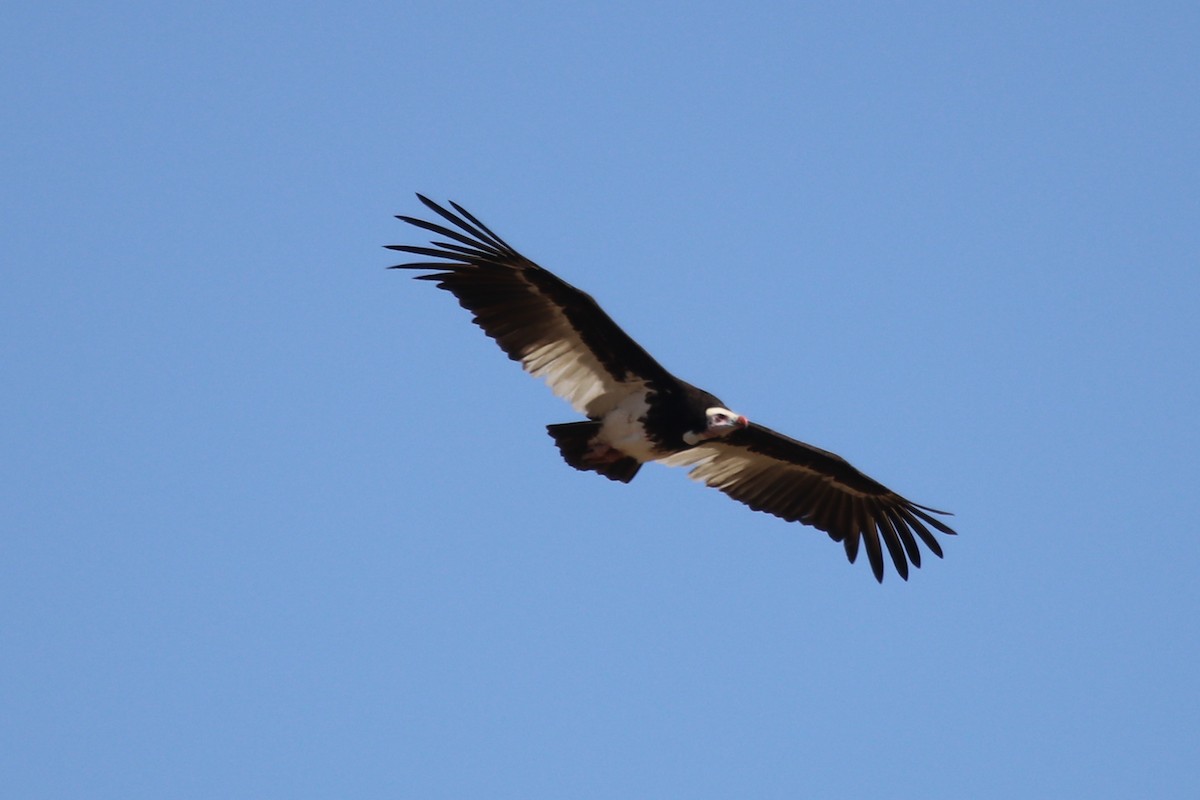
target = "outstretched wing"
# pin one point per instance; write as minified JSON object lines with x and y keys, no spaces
{"x":801,"y":483}
{"x":555,"y":331}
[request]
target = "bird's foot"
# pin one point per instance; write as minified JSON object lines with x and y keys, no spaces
{"x":602,"y":454}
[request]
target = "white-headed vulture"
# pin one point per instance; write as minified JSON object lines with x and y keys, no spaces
{"x":637,"y":411}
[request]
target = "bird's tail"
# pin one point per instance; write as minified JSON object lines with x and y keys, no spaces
{"x":574,"y":440}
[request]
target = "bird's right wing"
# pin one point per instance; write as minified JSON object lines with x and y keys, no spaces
{"x":555,"y":331}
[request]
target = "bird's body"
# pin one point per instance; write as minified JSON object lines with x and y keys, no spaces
{"x":638,"y":412}
{"x":624,"y":430}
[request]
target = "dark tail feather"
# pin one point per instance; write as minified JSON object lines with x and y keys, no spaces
{"x":574,"y":442}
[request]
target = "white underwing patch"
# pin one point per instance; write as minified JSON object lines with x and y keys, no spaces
{"x":623,"y":428}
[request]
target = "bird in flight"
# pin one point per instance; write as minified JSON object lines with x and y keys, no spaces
{"x":637,"y":411}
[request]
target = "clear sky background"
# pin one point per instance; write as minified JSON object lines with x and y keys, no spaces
{"x":279,"y":523}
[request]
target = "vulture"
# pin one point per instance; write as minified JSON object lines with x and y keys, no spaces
{"x":637,"y":411}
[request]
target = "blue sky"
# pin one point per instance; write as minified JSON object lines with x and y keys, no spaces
{"x":280,"y":523}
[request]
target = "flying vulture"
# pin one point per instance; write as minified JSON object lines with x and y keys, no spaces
{"x":637,"y":411}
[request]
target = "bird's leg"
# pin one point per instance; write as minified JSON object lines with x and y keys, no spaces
{"x":600,"y":453}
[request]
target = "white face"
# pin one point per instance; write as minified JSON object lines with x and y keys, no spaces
{"x":720,"y":421}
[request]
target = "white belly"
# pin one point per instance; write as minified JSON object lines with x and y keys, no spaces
{"x":622,"y":430}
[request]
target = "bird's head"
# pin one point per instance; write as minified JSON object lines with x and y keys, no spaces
{"x":718,"y":422}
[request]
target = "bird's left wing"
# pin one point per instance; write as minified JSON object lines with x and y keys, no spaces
{"x":554,"y":330}
{"x":801,"y":483}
